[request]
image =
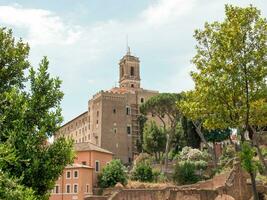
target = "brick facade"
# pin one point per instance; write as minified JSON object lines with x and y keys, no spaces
{"x":111,"y":120}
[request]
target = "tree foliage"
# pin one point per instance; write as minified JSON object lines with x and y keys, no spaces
{"x":185,"y":173}
{"x":217,"y":135}
{"x":247,"y":162}
{"x":230,"y":76}
{"x":142,"y":172}
{"x":230,"y":81}
{"x":190,"y":134}
{"x":112,"y":174}
{"x":163,"y":106}
{"x":28,"y":118}
{"x":10,"y":189}
{"x":154,"y":139}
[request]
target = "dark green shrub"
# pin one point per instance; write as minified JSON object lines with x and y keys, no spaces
{"x":185,"y":173}
{"x":142,"y":172}
{"x":112,"y":174}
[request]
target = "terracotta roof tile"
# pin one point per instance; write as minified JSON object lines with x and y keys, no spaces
{"x":87,"y":146}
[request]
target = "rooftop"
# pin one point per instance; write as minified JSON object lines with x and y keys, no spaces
{"x":87,"y":146}
{"x":75,"y":165}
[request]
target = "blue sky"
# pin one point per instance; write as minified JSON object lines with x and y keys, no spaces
{"x":84,"y":40}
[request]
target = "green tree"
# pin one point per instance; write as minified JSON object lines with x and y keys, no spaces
{"x":141,"y":121}
{"x":185,"y":173}
{"x":246,"y":156}
{"x":178,"y":141}
{"x":163,"y":106}
{"x":29,"y":117}
{"x":112,"y":174}
{"x":192,"y":138}
{"x":9,"y":187}
{"x":154,"y":140}
{"x":230,"y":80}
{"x":142,"y":172}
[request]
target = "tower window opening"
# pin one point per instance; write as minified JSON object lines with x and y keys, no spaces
{"x":132,"y":85}
{"x":132,"y":71}
{"x":122,"y":71}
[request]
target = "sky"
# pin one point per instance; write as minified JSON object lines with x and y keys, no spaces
{"x":85,"y":39}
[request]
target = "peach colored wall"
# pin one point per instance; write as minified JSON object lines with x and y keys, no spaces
{"x":103,"y":158}
{"x":82,"y":156}
{"x":85,"y":177}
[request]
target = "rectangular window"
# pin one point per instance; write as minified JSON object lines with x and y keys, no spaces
{"x":132,"y":71}
{"x":68,"y":174}
{"x":142,"y":100}
{"x":128,"y":110}
{"x":129,"y":130}
{"x":83,"y":162}
{"x":97,"y":113}
{"x":56,"y":189}
{"x":87,"y":188}
{"x":75,"y":175}
{"x":114,"y":130}
{"x":75,"y":188}
{"x":97,"y":166}
{"x":68,"y":190}
{"x":114,"y":110}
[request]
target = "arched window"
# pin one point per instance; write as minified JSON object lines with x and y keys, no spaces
{"x":132,"y":71}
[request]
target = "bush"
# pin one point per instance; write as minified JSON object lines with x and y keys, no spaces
{"x":158,"y":177}
{"x":142,"y":172}
{"x":184,"y":173}
{"x":199,"y":158}
{"x":112,"y":174}
{"x":191,"y":154}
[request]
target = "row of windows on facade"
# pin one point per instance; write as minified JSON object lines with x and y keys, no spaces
{"x":68,"y":189}
{"x":83,"y":139}
{"x":128,"y":129}
{"x":84,"y":129}
{"x":128,"y":109}
{"x":86,"y":138}
{"x":77,"y":125}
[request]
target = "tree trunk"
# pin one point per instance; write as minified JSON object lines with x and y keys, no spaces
{"x":166,"y":153}
{"x":156,"y":156}
{"x":214,"y":150}
{"x":210,"y":150}
{"x":254,"y":188}
{"x":256,"y":144}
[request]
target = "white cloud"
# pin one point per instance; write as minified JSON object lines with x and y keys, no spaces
{"x":89,"y":61}
{"x":165,"y":11}
{"x":42,"y":26}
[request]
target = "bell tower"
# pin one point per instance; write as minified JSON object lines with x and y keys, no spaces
{"x":129,"y":71}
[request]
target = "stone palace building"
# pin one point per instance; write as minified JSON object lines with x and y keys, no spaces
{"x":111,"y":121}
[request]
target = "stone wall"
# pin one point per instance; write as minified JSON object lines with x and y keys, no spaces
{"x":227,"y":186}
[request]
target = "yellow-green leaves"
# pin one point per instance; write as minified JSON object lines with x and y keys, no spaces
{"x":231,"y":71}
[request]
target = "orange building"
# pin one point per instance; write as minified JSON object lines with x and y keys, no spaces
{"x":77,"y":180}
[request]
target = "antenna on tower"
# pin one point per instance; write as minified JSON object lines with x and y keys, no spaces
{"x":127,"y":46}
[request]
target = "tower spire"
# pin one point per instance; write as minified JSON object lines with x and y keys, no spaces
{"x":128,"y":50}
